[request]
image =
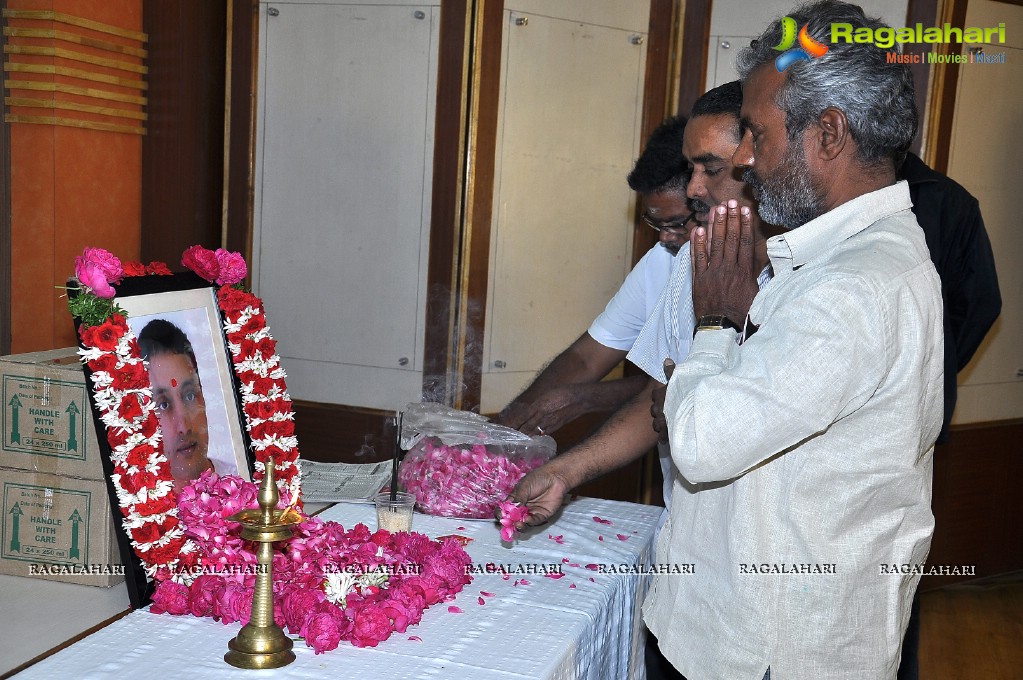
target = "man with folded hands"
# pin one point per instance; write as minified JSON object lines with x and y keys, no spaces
{"x":809,"y":444}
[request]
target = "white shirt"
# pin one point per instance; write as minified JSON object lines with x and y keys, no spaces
{"x":668,"y":333}
{"x":811,"y":445}
{"x":619,"y":324}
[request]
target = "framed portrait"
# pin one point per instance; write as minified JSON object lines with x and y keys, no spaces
{"x":178,"y":326}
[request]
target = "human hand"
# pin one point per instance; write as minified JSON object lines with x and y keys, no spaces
{"x":549,"y":412}
{"x":724,"y":280}
{"x":660,"y":424}
{"x":543,"y":492}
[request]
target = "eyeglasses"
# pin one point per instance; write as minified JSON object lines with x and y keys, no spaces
{"x":675,"y":229}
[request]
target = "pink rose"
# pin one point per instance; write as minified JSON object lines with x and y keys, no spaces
{"x":232,"y":267}
{"x":322,"y":633}
{"x":95,"y":268}
{"x":203,"y":594}
{"x":202,"y":261}
{"x":170,"y":597}
{"x":299,"y":607}
{"x":371,"y":626}
{"x":92,"y":277}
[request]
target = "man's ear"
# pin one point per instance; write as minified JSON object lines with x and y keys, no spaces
{"x":832,"y":133}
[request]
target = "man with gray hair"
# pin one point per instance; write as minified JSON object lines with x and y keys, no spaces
{"x":803,"y":451}
{"x":808,"y":448}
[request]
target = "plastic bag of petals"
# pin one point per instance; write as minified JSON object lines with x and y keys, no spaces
{"x":459,"y":464}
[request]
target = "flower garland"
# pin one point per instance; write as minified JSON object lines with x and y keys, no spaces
{"x":329,"y":584}
{"x":121,"y":387}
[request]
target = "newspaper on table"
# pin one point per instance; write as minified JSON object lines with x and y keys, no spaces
{"x":323,"y":482}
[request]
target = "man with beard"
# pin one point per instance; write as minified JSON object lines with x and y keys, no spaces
{"x":809,"y":446}
{"x":806,"y":450}
{"x":571,"y":385}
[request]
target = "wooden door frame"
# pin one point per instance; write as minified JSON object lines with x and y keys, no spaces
{"x":5,"y":222}
{"x":463,"y":263}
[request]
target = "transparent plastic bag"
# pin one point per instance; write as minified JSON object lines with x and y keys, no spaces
{"x":459,"y":464}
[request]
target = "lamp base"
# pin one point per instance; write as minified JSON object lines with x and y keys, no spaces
{"x":258,"y":647}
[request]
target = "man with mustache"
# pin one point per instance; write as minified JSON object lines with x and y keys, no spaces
{"x":806,"y":450}
{"x":810,"y":445}
{"x":571,"y":384}
{"x":710,"y":140}
{"x":711,"y":137}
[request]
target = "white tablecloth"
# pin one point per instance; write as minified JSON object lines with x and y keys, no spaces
{"x":540,"y":628}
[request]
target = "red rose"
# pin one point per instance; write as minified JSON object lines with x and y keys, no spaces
{"x":158,"y":268}
{"x":267,"y":347}
{"x":156,"y":506}
{"x":149,"y":426}
{"x":234,"y":300}
{"x":134,"y":269}
{"x":273,"y":428}
{"x":263,"y":385}
{"x":134,"y":482}
{"x":140,"y":455}
{"x":255,"y":324}
{"x":262,"y":409}
{"x":202,"y":261}
{"x":104,"y":337}
{"x":147,"y":533}
{"x":104,"y":362}
{"x":131,"y":377}
{"x":116,"y":437}
{"x":129,"y":409}
{"x":164,"y":554}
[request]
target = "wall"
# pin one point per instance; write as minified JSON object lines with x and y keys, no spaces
{"x":984,"y":157}
{"x":70,"y":187}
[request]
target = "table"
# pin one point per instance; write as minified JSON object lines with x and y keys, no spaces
{"x":586,"y":624}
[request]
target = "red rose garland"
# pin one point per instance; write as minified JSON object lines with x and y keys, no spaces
{"x":176,"y":539}
{"x":141,"y":478}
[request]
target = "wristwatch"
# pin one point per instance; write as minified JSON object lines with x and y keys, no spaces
{"x":714,"y":322}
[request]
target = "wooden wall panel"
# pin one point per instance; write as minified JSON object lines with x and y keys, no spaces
{"x":183,"y":153}
{"x":978,"y":515}
{"x":70,"y":188}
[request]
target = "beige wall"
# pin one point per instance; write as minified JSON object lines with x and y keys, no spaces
{"x":985,"y":153}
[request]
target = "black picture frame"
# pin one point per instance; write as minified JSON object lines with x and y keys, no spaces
{"x":161,"y":297}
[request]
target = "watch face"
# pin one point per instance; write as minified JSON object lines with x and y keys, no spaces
{"x":715,"y":322}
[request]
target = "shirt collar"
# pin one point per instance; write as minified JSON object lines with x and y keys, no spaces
{"x":795,"y":248}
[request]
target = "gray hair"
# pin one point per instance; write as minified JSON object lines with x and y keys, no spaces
{"x":876,"y":97}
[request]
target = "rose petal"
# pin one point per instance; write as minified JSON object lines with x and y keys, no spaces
{"x":415,"y":637}
{"x":454,"y":610}
{"x":600,"y":520}
{"x":481,"y":600}
{"x":622,"y":537}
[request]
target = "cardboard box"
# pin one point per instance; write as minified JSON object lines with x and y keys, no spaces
{"x":57,"y":521}
{"x":46,"y":419}
{"x":58,"y":528}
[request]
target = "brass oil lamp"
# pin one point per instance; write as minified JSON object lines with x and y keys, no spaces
{"x":261,"y":643}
